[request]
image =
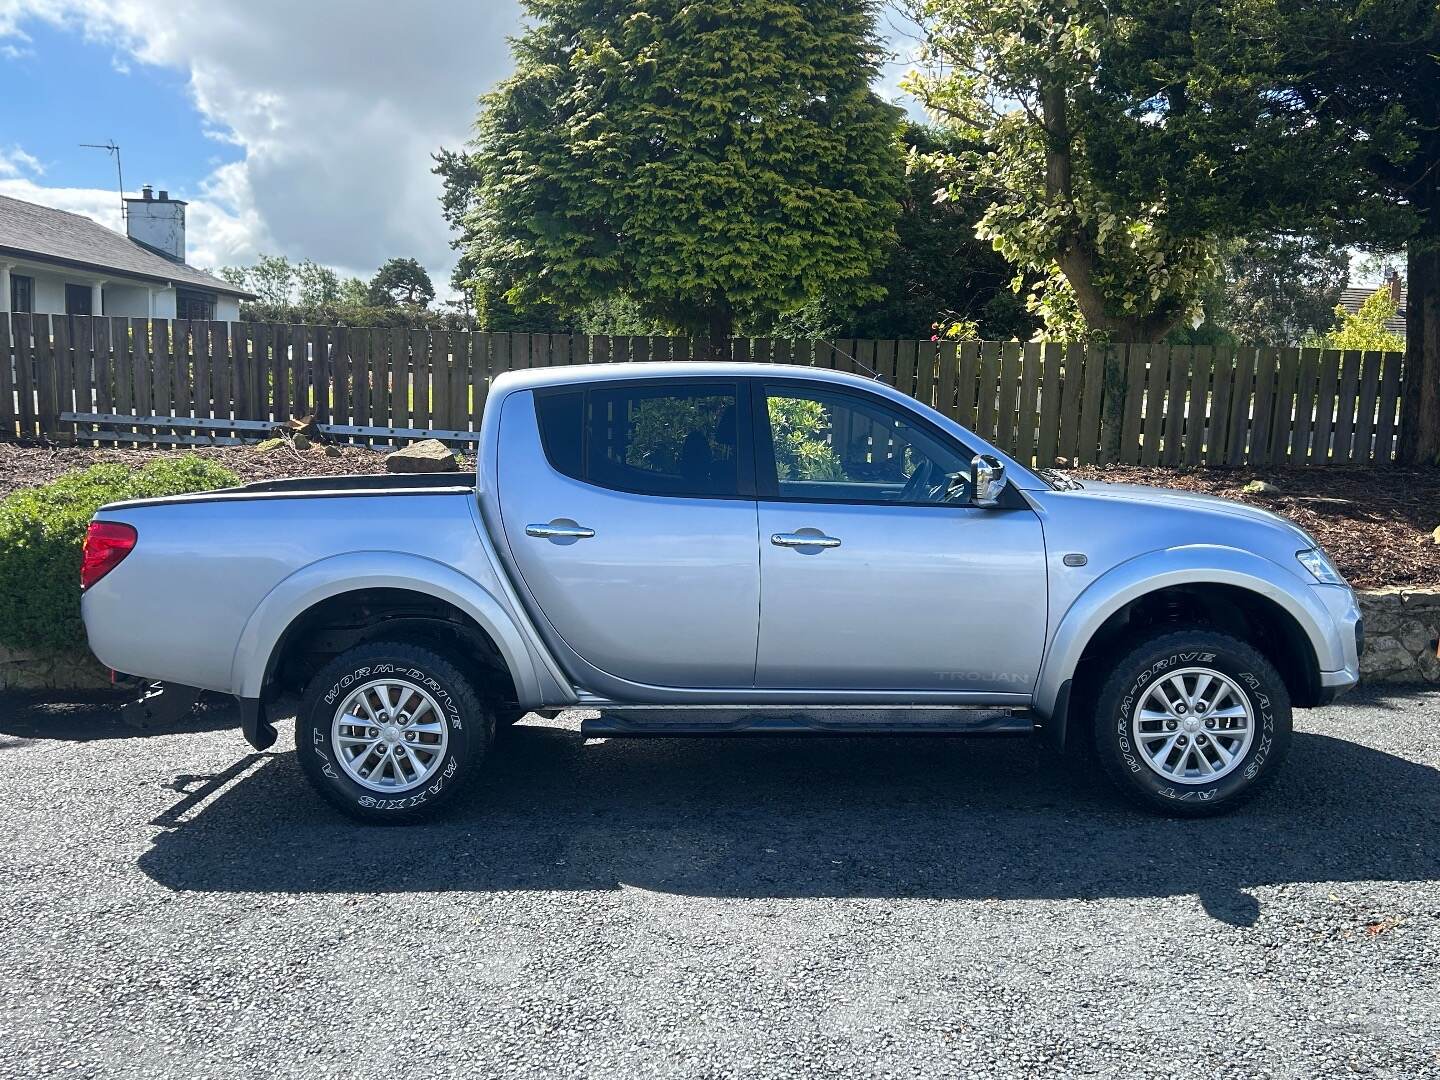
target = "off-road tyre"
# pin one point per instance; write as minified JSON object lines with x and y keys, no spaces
{"x":1120,"y":753}
{"x":469,"y":731}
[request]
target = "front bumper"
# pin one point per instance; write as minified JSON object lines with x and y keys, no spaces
{"x":1349,"y":632}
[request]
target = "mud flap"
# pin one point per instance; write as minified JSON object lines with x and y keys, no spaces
{"x":255,"y":726}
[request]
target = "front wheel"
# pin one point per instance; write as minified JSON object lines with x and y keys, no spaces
{"x":1193,"y":723}
{"x":390,"y":732}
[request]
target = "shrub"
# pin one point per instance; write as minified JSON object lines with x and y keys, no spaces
{"x":42,"y":531}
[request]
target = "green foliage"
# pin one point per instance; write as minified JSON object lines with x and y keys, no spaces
{"x":710,"y":159}
{"x":1278,"y":288}
{"x":1364,"y":329}
{"x":276,"y":281}
{"x":344,"y":314}
{"x":42,"y":531}
{"x":401,"y":282}
{"x":802,"y":452}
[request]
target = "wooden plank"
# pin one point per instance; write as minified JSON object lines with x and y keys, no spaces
{"x":1010,"y":352}
{"x":422,"y":369}
{"x":781,"y":352}
{"x":357,"y":345}
{"x":218,"y":386}
{"x":1285,"y":392}
{"x":1345,"y":403}
{"x":162,"y":371}
{"x":1157,"y":379}
{"x":480,"y":360}
{"x":947,"y":357}
{"x":1217,"y":430}
{"x":1202,"y":361}
{"x":989,"y":390}
{"x":1056,"y":421}
{"x":967,"y":375}
{"x":1089,"y":446}
{"x":242,"y":367}
{"x":442,"y":369}
{"x":44,"y":351}
{"x":203,"y":388}
{"x":1137,"y":374}
{"x":1325,"y":406}
{"x":1307,"y":378}
{"x":62,"y":359}
{"x":378,"y":366}
{"x":1182,"y":358}
{"x":1242,"y":406}
{"x":600,"y":346}
{"x":1390,"y":388}
{"x":1262,"y":425}
{"x":905,"y":367}
{"x":927,"y":354}
{"x":9,"y":416}
{"x":1026,"y":407}
{"x":23,"y":334}
{"x":1362,"y":445}
{"x":399,"y":377}
{"x":122,"y":368}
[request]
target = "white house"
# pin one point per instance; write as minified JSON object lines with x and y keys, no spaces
{"x":53,"y":262}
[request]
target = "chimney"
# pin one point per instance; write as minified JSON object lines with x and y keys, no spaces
{"x":158,"y":222}
{"x":1392,"y":281}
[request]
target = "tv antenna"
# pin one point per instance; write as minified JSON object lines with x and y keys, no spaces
{"x":110,"y":146}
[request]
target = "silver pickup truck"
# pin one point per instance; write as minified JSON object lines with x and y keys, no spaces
{"x":697,"y":549}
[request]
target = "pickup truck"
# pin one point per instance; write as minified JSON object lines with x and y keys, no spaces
{"x":703,"y":548}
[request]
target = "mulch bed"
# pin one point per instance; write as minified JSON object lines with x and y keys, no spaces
{"x":1376,"y":523}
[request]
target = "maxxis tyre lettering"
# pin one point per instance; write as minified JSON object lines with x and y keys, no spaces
{"x":470,"y":726}
{"x":1126,"y":686}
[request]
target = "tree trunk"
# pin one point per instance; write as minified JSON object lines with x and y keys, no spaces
{"x":1420,"y":399}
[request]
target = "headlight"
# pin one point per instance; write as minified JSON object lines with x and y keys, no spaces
{"x":1314,"y":560}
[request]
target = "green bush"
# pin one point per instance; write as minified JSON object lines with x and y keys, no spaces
{"x":42,"y":531}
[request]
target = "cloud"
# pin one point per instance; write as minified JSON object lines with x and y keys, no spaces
{"x":14,"y":161}
{"x":337,"y":105}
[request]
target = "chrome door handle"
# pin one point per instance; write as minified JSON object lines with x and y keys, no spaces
{"x":559,"y":532}
{"x":804,"y":540}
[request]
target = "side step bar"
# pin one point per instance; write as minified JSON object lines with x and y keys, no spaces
{"x":689,"y":722}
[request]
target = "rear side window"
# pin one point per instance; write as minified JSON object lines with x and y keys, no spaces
{"x":652,"y":439}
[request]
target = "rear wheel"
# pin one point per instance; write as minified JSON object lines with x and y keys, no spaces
{"x":390,"y":732}
{"x":1192,"y":723}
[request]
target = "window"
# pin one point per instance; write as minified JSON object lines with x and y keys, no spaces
{"x":77,"y":300}
{"x":843,"y":447}
{"x":665,"y":438}
{"x":192,"y":304}
{"x":22,"y":293}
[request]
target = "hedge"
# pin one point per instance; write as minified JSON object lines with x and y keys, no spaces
{"x":42,"y":531}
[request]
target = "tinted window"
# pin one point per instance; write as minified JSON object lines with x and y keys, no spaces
{"x":829,"y":446}
{"x":671,"y":439}
{"x":562,"y":429}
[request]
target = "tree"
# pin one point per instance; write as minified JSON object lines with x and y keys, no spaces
{"x":937,"y":272}
{"x":316,"y":284}
{"x":353,"y":291}
{"x":1365,"y":329}
{"x":1129,"y":144}
{"x":1278,"y":288}
{"x":401,"y":282}
{"x":1372,"y":72}
{"x":271,"y":278}
{"x":709,"y":159}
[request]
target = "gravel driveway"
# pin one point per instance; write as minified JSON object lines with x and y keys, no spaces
{"x":176,"y":906}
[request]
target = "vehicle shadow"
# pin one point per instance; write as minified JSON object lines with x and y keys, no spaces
{"x":904,"y":818}
{"x":32,"y":715}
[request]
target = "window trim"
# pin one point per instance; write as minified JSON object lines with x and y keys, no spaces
{"x":767,"y":483}
{"x":75,"y":289}
{"x":210,"y":299}
{"x":744,"y":436}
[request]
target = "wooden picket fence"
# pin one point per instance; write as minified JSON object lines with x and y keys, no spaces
{"x":1127,"y":404}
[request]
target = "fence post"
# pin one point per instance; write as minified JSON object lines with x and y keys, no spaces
{"x":1112,"y":402}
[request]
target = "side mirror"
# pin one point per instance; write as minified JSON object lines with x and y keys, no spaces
{"x":987,"y":479}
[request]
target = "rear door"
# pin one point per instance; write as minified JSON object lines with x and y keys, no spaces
{"x":629,"y":511}
{"x":878,"y":573}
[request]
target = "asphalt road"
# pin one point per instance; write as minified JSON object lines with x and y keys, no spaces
{"x":174,"y":905}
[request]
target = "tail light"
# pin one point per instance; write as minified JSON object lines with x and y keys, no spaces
{"x":106,"y":545}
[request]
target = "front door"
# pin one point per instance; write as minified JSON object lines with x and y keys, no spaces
{"x":876,"y":572}
{"x":630,"y":515}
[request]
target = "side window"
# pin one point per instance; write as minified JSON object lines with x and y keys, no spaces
{"x":836,"y":446}
{"x":657,"y":439}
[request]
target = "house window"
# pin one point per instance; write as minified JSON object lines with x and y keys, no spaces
{"x":192,"y":304}
{"x":77,"y":300}
{"x":22,"y":293}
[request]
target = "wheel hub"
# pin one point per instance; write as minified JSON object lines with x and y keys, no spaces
{"x":390,"y":736}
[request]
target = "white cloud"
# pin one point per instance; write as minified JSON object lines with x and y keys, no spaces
{"x":14,"y":161}
{"x":337,"y":105}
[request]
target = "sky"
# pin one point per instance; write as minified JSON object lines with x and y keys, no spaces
{"x":295,"y":128}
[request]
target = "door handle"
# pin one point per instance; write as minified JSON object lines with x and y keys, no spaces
{"x":793,"y":540}
{"x":559,"y":532}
